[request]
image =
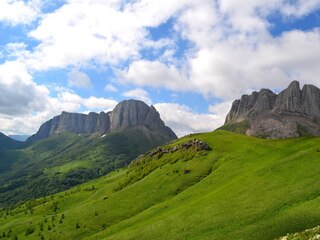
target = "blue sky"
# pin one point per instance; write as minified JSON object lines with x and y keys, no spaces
{"x":190,"y":59}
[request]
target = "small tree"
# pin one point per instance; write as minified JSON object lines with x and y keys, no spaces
{"x":30,"y":230}
{"x":41,"y":226}
{"x":77,"y":225}
{"x":55,"y":206}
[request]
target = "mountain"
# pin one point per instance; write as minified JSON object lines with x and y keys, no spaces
{"x":8,"y":143}
{"x":293,"y":112}
{"x":21,"y":138}
{"x":127,"y":114}
{"x":73,"y":148}
{"x":239,"y":187}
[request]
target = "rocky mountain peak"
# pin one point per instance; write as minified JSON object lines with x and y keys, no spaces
{"x":289,"y":100}
{"x":291,"y":113}
{"x":126,"y":114}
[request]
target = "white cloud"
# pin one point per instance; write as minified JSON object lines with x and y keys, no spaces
{"x":111,"y":88}
{"x":99,"y":103}
{"x":79,"y":79}
{"x":230,"y":42}
{"x":220,"y":109}
{"x":300,"y":8}
{"x":154,"y":74}
{"x":184,"y":121}
{"x":19,"y":12}
{"x":139,"y":94}
{"x":227,"y":70}
{"x":233,"y":50}
{"x":73,"y":102}
{"x":19,"y":94}
{"x":90,"y":26}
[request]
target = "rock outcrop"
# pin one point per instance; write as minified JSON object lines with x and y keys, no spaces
{"x":127,"y":114}
{"x":196,"y":144}
{"x":291,"y":113}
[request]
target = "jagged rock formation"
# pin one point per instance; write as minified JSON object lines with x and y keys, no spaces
{"x":291,"y":113}
{"x":127,"y":114}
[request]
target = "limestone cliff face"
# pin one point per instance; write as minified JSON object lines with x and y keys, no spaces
{"x":126,"y":114}
{"x":291,"y":113}
{"x":130,"y":113}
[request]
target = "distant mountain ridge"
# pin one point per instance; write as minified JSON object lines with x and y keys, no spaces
{"x":293,"y":112}
{"x":21,"y":138}
{"x":127,"y":114}
{"x":8,"y":143}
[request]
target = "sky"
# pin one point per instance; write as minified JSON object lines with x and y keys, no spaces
{"x":190,"y":59}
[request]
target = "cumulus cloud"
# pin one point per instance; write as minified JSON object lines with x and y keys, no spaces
{"x":79,"y":79}
{"x":99,"y":103}
{"x":230,"y":43}
{"x":227,"y":70}
{"x":71,"y":101}
{"x":155,"y":74}
{"x":184,"y":121}
{"x":19,"y":94}
{"x":220,"y":109}
{"x":233,"y":50}
{"x":139,"y":94}
{"x":19,"y":12}
{"x":90,"y":26}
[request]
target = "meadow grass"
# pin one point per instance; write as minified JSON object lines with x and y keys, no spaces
{"x":244,"y":188}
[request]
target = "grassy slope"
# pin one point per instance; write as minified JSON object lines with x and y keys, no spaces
{"x":245,"y":188}
{"x":65,"y":160}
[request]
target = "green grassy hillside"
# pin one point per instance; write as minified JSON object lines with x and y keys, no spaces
{"x":243,"y":188}
{"x":65,"y":160}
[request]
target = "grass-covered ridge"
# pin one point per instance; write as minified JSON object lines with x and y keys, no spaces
{"x":243,"y":188}
{"x":66,"y":160}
